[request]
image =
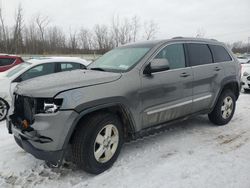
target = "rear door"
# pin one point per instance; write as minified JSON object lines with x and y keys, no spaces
{"x":167,"y":95}
{"x":207,"y":75}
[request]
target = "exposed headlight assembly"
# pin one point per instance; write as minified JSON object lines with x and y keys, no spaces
{"x":52,"y":106}
{"x":48,"y":105}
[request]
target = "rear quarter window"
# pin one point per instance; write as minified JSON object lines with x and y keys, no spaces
{"x":6,"y":61}
{"x":199,"y":54}
{"x":220,"y":54}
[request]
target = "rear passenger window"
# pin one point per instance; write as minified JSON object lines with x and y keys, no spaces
{"x":174,"y":53}
{"x":220,"y":54}
{"x":69,"y":66}
{"x":6,"y":61}
{"x":199,"y":54}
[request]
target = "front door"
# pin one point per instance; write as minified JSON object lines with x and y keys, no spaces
{"x":167,"y":95}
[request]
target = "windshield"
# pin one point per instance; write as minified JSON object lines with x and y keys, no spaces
{"x":119,"y":59}
{"x":16,"y":69}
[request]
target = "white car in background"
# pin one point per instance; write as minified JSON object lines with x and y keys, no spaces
{"x":243,"y":59}
{"x":31,"y":69}
{"x":245,"y":77}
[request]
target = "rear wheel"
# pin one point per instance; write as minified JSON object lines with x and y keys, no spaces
{"x":4,"y":107}
{"x":97,"y":142}
{"x":224,"y":108}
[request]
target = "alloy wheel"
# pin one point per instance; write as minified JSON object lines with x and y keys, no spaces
{"x":3,"y":109}
{"x":227,"y":107}
{"x":106,"y":143}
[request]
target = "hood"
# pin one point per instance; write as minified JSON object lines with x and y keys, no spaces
{"x":4,"y":84}
{"x":50,"y":85}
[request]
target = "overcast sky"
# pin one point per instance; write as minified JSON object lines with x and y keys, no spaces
{"x":225,"y":20}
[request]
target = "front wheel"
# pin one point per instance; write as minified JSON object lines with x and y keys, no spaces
{"x":224,"y":108}
{"x":4,"y":107}
{"x":97,"y":142}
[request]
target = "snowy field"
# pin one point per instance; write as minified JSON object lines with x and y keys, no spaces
{"x":194,"y":154}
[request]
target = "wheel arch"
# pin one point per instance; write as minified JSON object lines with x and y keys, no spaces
{"x":232,"y":85}
{"x":118,"y":108}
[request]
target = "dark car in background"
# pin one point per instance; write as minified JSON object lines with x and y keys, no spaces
{"x":9,"y":61}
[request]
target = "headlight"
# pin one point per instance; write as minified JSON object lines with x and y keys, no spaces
{"x":50,"y":108}
{"x":48,"y":105}
{"x":246,"y":74}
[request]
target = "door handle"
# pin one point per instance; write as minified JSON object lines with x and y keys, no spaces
{"x":217,"y":68}
{"x":184,"y":74}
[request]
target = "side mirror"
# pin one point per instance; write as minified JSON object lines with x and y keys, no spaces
{"x":156,"y":65}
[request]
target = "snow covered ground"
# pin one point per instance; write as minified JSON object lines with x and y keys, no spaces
{"x":194,"y":154}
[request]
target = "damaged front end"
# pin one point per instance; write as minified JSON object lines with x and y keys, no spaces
{"x":30,"y":132}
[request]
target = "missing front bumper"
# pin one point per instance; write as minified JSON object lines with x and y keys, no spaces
{"x":54,"y":157}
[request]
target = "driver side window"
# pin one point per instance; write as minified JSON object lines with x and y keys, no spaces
{"x":175,"y":55}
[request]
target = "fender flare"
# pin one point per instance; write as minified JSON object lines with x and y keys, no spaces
{"x":225,"y":81}
{"x":98,"y":106}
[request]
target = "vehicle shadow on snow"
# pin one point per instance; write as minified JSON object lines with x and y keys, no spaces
{"x":191,"y":125}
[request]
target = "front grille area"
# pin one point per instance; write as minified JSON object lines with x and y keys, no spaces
{"x":24,"y":108}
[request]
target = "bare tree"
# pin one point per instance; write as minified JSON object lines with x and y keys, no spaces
{"x":31,"y":39}
{"x":42,"y":23}
{"x":85,"y":38}
{"x":73,"y":42}
{"x":115,"y":30}
{"x":102,"y":37}
{"x":56,"y":40}
{"x":150,"y":29}
{"x":126,"y":32}
{"x":3,"y":31}
{"x":135,"y":27}
{"x":17,"y":33}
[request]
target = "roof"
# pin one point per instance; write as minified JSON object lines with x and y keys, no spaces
{"x":58,"y":59}
{"x":153,"y":43}
{"x":9,"y":55}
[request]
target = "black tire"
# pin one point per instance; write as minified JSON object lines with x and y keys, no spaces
{"x":3,"y":104}
{"x":216,"y":116}
{"x":83,"y":143}
{"x":246,"y":90}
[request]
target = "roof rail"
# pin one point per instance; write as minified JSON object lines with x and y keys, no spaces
{"x":179,"y":37}
{"x":214,"y":40}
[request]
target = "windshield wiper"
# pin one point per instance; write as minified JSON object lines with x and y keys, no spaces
{"x":97,"y":68}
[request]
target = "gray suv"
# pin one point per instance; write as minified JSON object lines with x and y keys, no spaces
{"x":86,"y":115}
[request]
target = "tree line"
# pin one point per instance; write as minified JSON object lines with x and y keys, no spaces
{"x":240,"y":47}
{"x":39,"y":37}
